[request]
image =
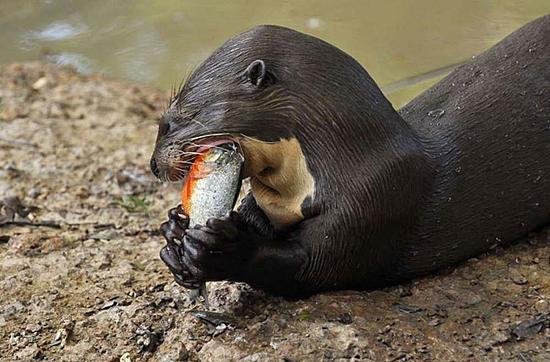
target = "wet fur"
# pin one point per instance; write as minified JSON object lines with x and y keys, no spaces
{"x":463,"y":167}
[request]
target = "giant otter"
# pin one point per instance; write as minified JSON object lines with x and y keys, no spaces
{"x":345,"y":191}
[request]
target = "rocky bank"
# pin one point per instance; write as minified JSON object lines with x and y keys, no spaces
{"x":80,"y":276}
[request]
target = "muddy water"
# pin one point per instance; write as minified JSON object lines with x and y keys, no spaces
{"x":405,"y":45}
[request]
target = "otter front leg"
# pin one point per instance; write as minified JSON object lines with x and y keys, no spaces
{"x":242,"y":246}
{"x":225,"y":249}
{"x":174,"y":231}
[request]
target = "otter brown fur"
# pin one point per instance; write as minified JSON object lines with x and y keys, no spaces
{"x":347,"y":192}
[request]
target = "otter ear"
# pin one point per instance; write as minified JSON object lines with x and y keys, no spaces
{"x":256,"y":73}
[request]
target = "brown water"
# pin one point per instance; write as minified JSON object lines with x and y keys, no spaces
{"x":405,"y":45}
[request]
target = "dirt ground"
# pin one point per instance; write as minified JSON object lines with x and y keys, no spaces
{"x":80,"y":276}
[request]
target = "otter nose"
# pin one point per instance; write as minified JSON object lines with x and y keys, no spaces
{"x":154,"y":167}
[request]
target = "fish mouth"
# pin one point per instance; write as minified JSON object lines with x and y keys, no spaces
{"x":191,"y":150}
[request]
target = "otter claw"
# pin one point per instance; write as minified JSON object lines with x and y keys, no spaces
{"x":174,"y":228}
{"x":171,"y":258}
{"x":170,"y":232}
{"x":177,"y":214}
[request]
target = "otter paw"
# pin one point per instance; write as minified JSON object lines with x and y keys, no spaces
{"x":218,"y":250}
{"x":174,"y":230}
{"x":171,"y":256}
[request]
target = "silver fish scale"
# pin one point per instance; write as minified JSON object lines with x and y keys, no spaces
{"x":215,"y":194}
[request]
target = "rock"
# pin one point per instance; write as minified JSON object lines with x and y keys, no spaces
{"x":542,"y":306}
{"x":60,"y":337}
{"x":40,"y":83}
{"x":529,"y":327}
{"x":216,"y":350}
{"x":11,"y":309}
{"x":125,"y":357}
{"x":498,"y":338}
{"x":31,"y":352}
{"x":518,"y":278}
{"x":410,"y":309}
{"x":176,"y":353}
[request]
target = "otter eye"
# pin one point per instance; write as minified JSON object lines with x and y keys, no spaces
{"x":256,"y":73}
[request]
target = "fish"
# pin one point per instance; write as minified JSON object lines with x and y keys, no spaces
{"x":211,"y":190}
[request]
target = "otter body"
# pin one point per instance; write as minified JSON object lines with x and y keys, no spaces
{"x":487,"y":128}
{"x":347,"y":192}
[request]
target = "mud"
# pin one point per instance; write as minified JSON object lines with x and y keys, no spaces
{"x":80,"y":276}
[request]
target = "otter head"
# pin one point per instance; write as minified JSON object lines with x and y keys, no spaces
{"x":292,"y":102}
{"x":240,"y":94}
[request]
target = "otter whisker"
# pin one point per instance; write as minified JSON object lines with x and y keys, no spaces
{"x":186,"y":162}
{"x":182,"y":154}
{"x":180,"y":171}
{"x":206,"y":136}
{"x":178,"y":166}
{"x":192,"y":153}
{"x":199,"y":123}
{"x":209,"y":146}
{"x":256,"y":140}
{"x":190,"y":141}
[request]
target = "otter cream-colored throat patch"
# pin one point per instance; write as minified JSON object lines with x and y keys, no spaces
{"x":279,"y":178}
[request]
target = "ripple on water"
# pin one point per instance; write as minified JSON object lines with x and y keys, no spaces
{"x":57,"y":31}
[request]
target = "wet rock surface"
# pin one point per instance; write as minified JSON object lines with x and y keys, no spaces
{"x":81,"y":278}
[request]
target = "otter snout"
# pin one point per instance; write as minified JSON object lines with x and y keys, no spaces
{"x":154,"y":167}
{"x":169,"y":165}
{"x":166,"y":164}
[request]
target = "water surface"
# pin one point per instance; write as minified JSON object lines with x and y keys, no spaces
{"x":405,"y":45}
